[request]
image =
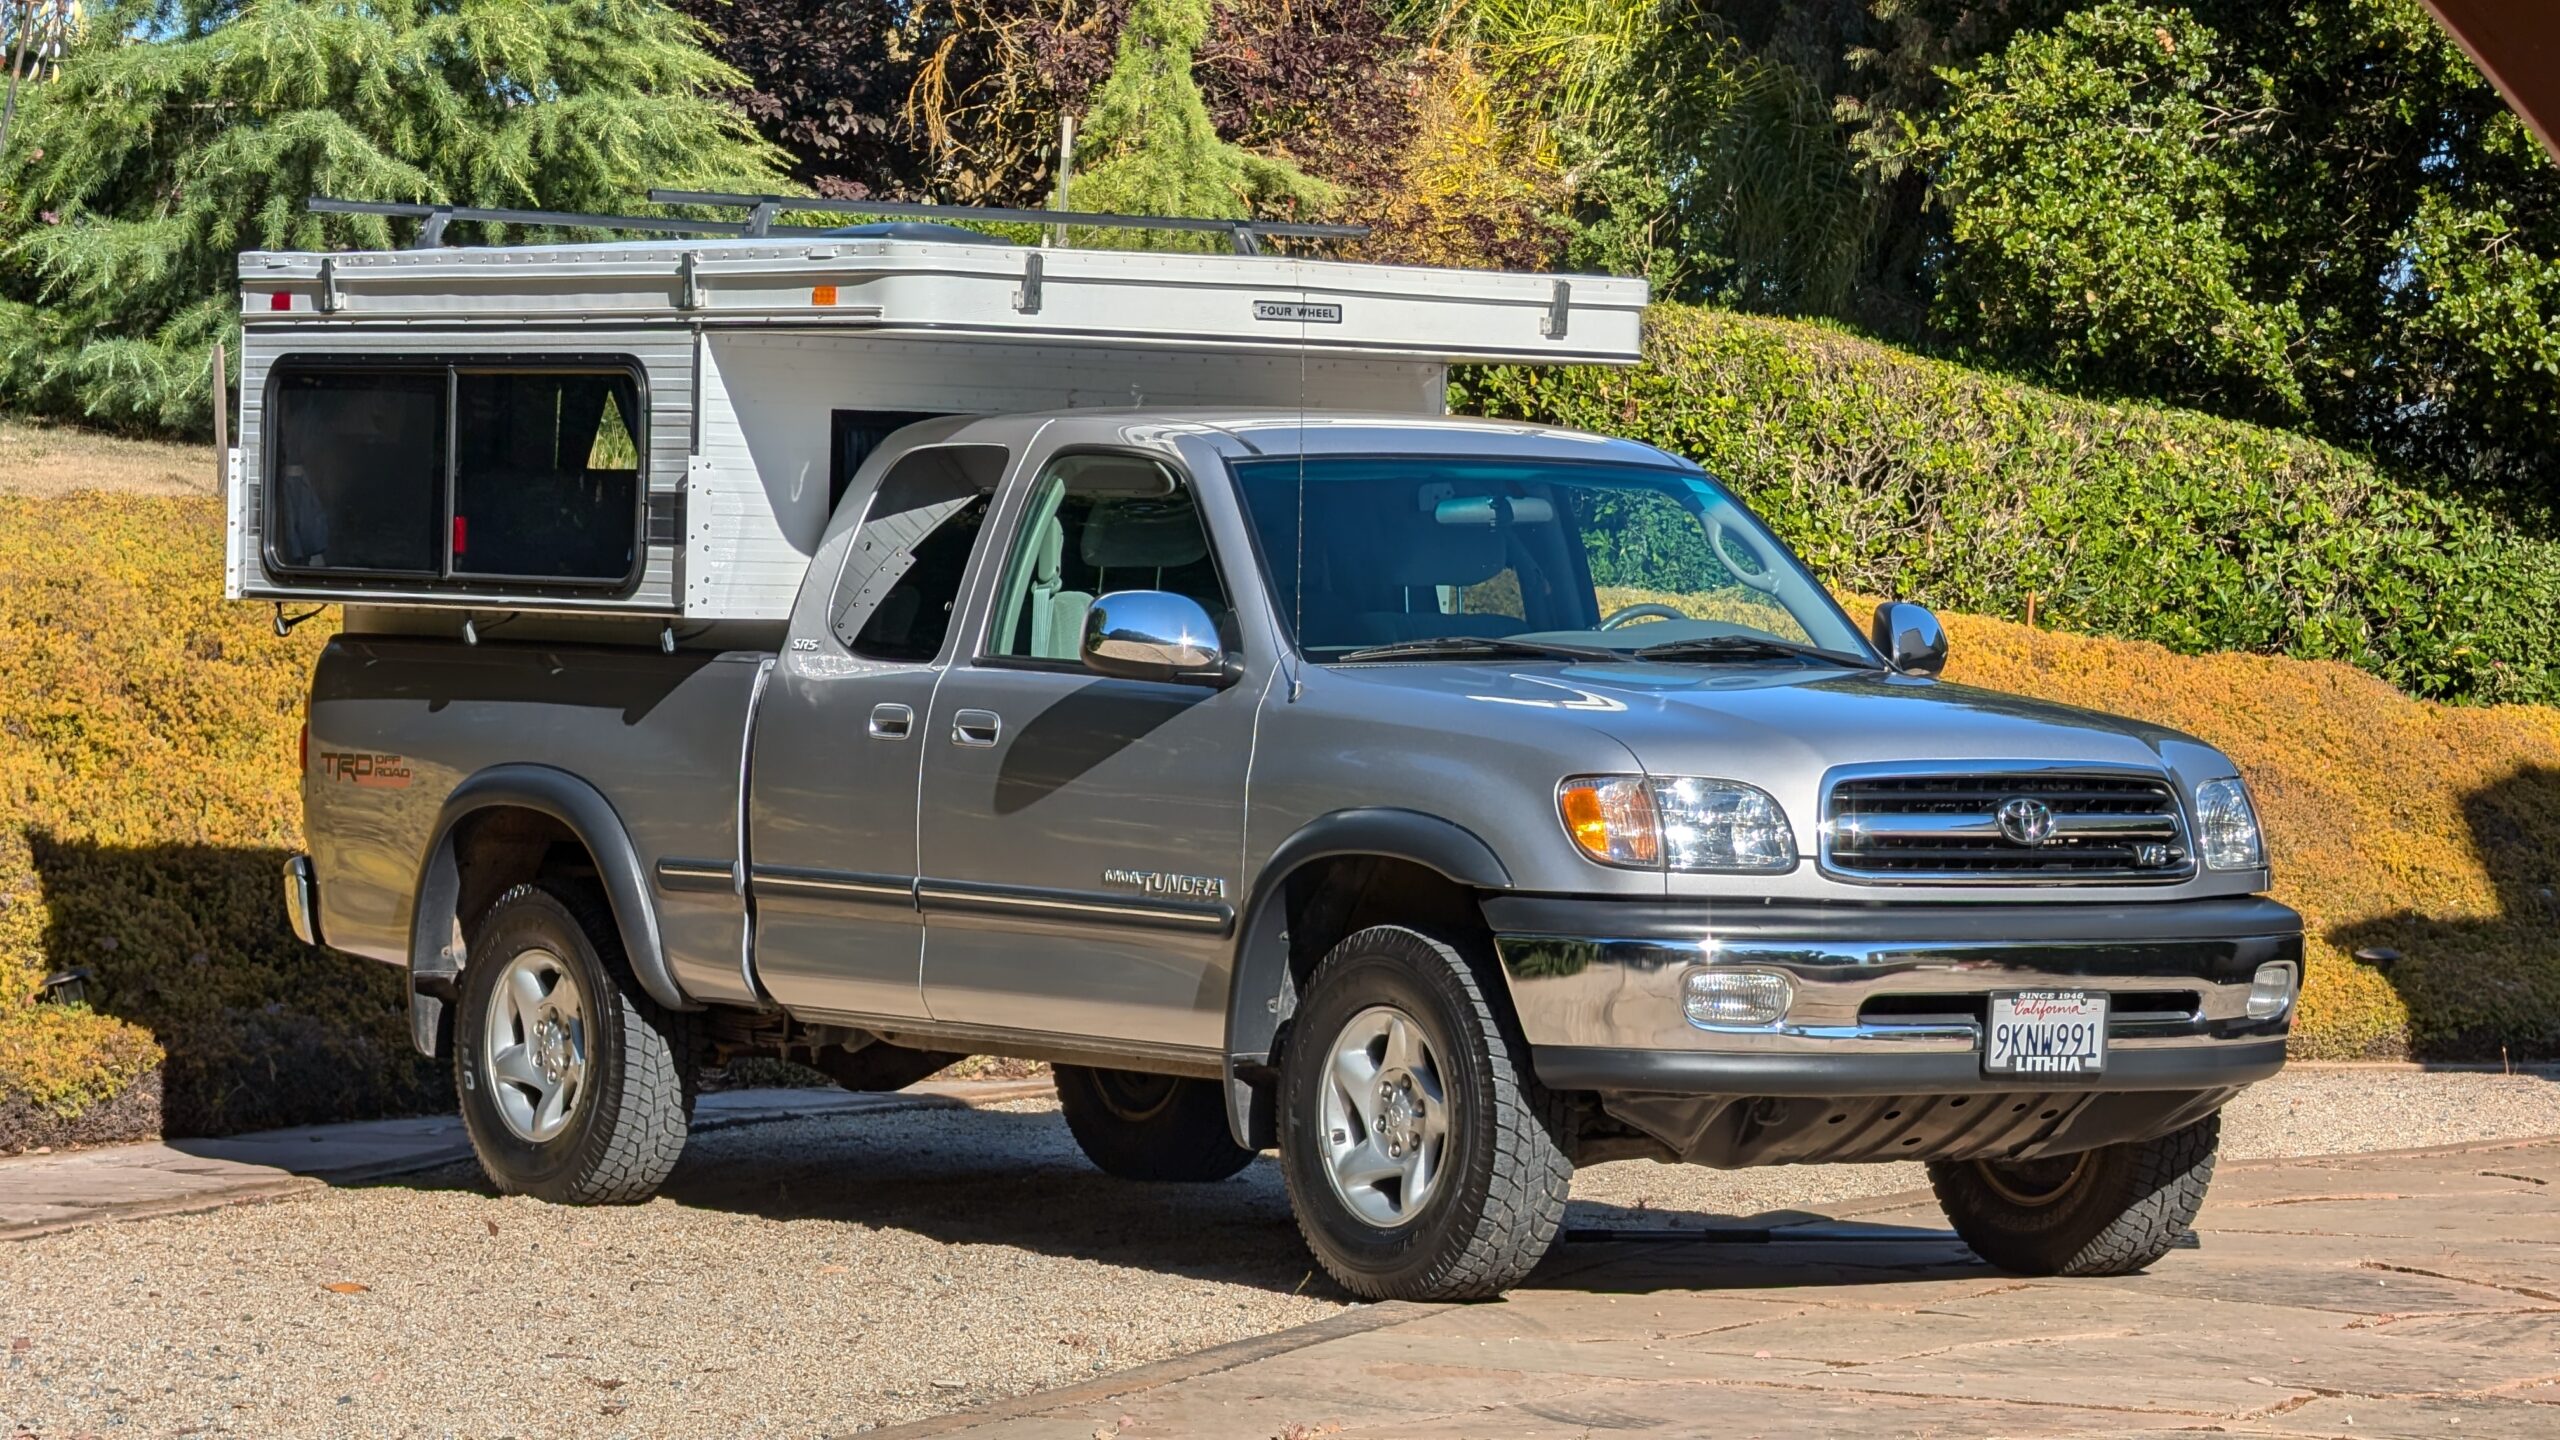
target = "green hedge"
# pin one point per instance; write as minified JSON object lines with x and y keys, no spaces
{"x":1897,"y":475}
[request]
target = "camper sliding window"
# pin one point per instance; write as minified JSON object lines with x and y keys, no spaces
{"x":458,"y":475}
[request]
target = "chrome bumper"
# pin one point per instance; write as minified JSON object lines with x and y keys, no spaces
{"x":302,"y":899}
{"x":1887,"y":997}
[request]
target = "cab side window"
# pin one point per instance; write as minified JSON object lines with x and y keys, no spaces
{"x":1096,"y":523}
{"x":901,"y":580}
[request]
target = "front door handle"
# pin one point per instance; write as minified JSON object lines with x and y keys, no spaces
{"x":976,"y":728}
{"x":891,"y":721}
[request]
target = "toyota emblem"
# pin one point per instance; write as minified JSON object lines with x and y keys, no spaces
{"x":2025,"y":820}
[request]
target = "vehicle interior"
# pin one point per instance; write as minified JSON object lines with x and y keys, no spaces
{"x":1375,"y":552}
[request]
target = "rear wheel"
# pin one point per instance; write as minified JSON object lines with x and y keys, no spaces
{"x":1149,"y":1127}
{"x":576,"y":1087}
{"x":2110,"y":1211}
{"x":1422,"y":1161}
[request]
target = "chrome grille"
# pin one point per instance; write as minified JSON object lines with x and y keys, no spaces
{"x":1948,"y":829}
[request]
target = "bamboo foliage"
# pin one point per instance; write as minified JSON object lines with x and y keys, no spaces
{"x":1653,"y":106}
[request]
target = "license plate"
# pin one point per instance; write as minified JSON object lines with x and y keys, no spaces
{"x":2047,"y":1032}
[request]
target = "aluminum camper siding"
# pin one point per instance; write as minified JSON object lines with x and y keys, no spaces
{"x":665,"y":356}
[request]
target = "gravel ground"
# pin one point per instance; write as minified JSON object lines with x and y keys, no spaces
{"x":815,"y":1277}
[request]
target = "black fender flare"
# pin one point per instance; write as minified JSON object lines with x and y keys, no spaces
{"x":433,"y":949}
{"x":1259,"y":996}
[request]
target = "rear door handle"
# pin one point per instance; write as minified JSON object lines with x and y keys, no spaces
{"x":891,"y":721}
{"x":976,"y":728}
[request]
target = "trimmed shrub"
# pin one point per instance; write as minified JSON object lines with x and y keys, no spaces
{"x":148,"y":730}
{"x":1894,"y":474}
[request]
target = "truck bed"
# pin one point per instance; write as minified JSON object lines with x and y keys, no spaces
{"x":396,"y":723}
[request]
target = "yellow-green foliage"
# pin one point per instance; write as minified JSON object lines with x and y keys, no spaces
{"x":148,"y":734}
{"x":2394,"y":823}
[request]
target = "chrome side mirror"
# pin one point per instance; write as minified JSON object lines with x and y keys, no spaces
{"x":1152,"y":635}
{"x":1909,"y":637}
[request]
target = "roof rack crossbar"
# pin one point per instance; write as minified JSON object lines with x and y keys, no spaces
{"x":1245,"y":233}
{"x":437,"y":217}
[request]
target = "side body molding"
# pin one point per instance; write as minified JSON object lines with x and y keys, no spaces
{"x":1261,"y":995}
{"x":433,"y":948}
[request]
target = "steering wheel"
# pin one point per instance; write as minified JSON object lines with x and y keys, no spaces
{"x":1766,"y":582}
{"x":1632,"y":613}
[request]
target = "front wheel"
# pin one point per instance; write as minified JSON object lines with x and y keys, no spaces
{"x":1422,"y":1160}
{"x":2110,"y":1211}
{"x":576,"y":1087}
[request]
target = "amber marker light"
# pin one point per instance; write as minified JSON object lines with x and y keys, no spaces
{"x":822,"y":294}
{"x":1611,"y":818}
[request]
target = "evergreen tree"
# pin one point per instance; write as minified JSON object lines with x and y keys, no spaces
{"x":1149,"y":148}
{"x":139,"y":173}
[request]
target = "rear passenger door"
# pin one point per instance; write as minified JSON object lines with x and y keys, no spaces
{"x":840,"y":738}
{"x":1081,"y":835}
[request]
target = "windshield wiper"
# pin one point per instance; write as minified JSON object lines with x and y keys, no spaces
{"x":1747,"y":647}
{"x":1452,"y":645}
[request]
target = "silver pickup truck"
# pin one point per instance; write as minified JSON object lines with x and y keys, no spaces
{"x":1443,"y":803}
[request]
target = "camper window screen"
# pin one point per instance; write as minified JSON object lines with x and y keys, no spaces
{"x":359,"y":472}
{"x":546,"y":475}
{"x":462,"y":476}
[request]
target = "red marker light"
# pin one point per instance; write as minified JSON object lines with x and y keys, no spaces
{"x":461,"y":535}
{"x":280,"y":301}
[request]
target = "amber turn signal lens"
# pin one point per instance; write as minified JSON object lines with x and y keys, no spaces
{"x":1611,"y":818}
{"x":822,"y":294}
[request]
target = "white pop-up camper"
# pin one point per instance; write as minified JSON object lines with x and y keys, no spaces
{"x":660,"y":428}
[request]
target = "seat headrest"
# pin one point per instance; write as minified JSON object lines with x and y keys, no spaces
{"x":1423,"y":552}
{"x":1149,"y":534}
{"x":1049,"y":553}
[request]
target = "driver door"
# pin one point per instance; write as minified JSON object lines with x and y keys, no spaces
{"x":1082,"y":835}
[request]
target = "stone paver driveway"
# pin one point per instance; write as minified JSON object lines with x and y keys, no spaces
{"x":2377,"y":1295}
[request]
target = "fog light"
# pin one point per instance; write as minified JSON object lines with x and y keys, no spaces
{"x":1741,"y":998}
{"x":2271,"y":991}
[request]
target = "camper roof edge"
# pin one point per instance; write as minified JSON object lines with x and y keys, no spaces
{"x":990,"y":291}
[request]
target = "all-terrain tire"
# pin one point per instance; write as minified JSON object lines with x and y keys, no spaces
{"x":1149,"y":1127}
{"x":627,"y":1124}
{"x":1498,"y":1203}
{"x":2111,"y":1211}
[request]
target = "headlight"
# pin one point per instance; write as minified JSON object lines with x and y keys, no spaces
{"x":2227,"y":827}
{"x":1677,"y":822}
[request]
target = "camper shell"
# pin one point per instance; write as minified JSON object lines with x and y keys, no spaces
{"x":661,"y":428}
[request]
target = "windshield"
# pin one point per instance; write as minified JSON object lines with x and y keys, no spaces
{"x":1368,"y":552}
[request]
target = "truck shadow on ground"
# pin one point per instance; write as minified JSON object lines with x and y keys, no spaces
{"x":189,"y":942}
{"x":1015,"y":1179}
{"x":2479,"y":988}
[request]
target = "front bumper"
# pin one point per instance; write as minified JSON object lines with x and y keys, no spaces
{"x":1889,"y":997}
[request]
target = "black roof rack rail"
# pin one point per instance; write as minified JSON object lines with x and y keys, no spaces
{"x":1246,"y":234}
{"x":431,"y":234}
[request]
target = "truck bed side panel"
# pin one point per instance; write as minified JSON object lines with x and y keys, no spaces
{"x":397,"y":723}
